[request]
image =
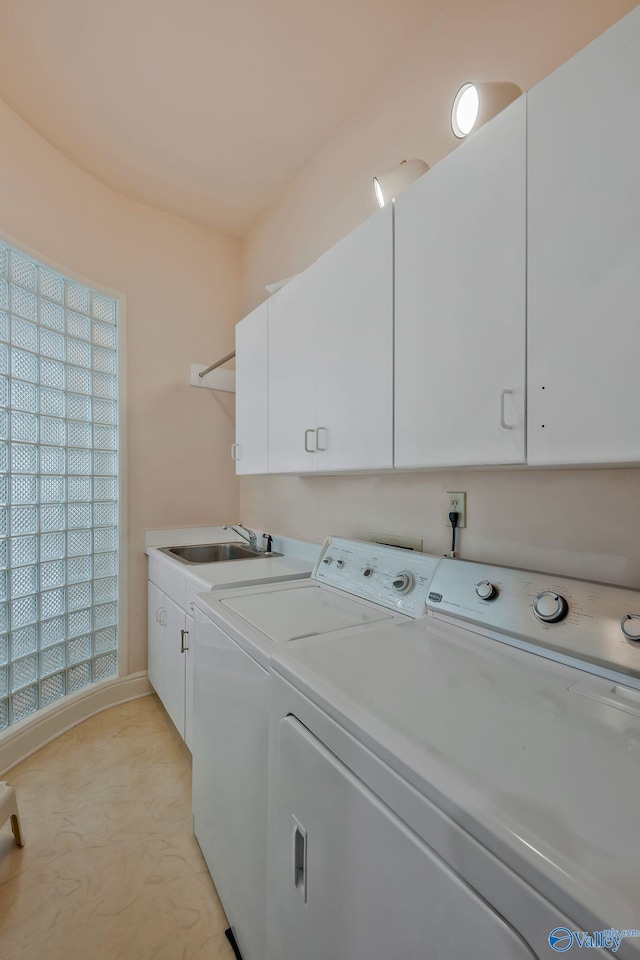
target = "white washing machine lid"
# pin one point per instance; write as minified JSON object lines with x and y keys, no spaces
{"x":537,"y":760}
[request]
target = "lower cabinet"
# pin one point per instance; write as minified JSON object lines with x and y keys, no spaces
{"x":170,"y":668}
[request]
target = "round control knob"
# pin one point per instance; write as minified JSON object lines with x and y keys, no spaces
{"x":486,"y":590}
{"x":630,"y":626}
{"x":328,"y":560}
{"x":368,"y":572}
{"x":403,"y":582}
{"x":339,"y":564}
{"x":550,"y":607}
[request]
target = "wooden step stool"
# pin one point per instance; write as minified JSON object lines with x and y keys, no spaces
{"x":9,"y":808}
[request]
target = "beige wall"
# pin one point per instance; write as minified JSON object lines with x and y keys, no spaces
{"x":583,"y":522}
{"x":181,"y":282}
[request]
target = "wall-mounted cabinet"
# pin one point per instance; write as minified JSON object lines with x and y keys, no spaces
{"x":584,"y":255}
{"x":250,"y":449}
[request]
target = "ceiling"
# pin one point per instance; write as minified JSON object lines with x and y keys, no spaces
{"x":203,"y":108}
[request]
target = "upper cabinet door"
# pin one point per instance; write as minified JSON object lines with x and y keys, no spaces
{"x":584,"y":255}
{"x":352,"y":302}
{"x":293,"y":405}
{"x":460,"y":303}
{"x":250,"y":449}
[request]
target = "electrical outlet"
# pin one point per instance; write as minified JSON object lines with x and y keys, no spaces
{"x":456,"y":501}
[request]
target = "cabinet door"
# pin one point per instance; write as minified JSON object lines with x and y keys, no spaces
{"x":352,"y":303}
{"x":584,"y":255}
{"x":349,"y":881}
{"x":188,"y":683}
{"x":460,"y":263}
{"x":155,"y":648}
{"x":293,"y":406}
{"x":174,"y":665}
{"x":250,"y":449}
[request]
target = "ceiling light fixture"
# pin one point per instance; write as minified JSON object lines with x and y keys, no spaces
{"x":390,"y":185}
{"x":475,"y":103}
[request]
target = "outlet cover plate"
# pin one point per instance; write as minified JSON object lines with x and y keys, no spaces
{"x":456,"y":501}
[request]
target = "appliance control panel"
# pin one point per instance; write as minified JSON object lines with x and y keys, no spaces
{"x":593,"y":622}
{"x":394,"y":578}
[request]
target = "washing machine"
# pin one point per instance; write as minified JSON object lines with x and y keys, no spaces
{"x":465,"y":785}
{"x":354,"y":588}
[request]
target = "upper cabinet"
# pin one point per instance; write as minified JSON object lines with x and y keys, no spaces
{"x":331,"y":358}
{"x":460,"y":305}
{"x":250,"y":449}
{"x":584,"y":255}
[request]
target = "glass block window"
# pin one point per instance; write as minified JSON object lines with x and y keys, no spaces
{"x":58,"y":486}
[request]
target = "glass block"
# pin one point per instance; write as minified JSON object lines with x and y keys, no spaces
{"x":24,"y":672}
{"x":52,"y":402}
{"x":52,"y":574}
{"x":52,"y":373}
{"x":78,"y":380}
{"x":105,"y":539}
{"x":52,"y":517}
{"x":4,"y":648}
{"x":4,"y":359}
{"x":24,"y":520}
{"x":24,"y":365}
{"x":51,"y":285}
{"x":105,"y":411}
{"x":24,"y":458}
{"x":24,"y":396}
{"x":4,"y":262}
{"x":105,"y":514}
{"x":52,"y":603}
{"x":103,"y":308}
{"x":52,"y":631}
{"x":105,"y":438}
{"x":24,"y":426}
{"x":4,"y":457}
{"x":76,"y":297}
{"x":4,"y":424}
{"x":52,"y":431}
{"x":53,"y":659}
{"x":79,"y":488}
{"x":4,"y":522}
{"x":24,"y":642}
{"x":52,"y":316}
{"x":78,"y":326}
{"x":52,"y":460}
{"x":4,"y":391}
{"x":78,"y":353}
{"x":78,"y":408}
{"x":24,"y":334}
{"x":105,"y":615}
{"x":4,"y":617}
{"x":105,"y":386}
{"x":24,"y":550}
{"x":3,"y":586}
{"x":4,"y":550}
{"x":4,"y":294}
{"x":78,"y":623}
{"x":52,"y":490}
{"x":105,"y":335}
{"x":78,"y":543}
{"x":78,"y":677}
{"x":4,"y":681}
{"x":78,"y":434}
{"x":79,"y":514}
{"x":79,"y":462}
{"x":52,"y":689}
{"x":4,"y":326}
{"x":105,"y":565}
{"x":52,"y":546}
{"x":106,"y":666}
{"x":24,"y":489}
{"x":105,"y":463}
{"x":24,"y":581}
{"x":78,"y":569}
{"x":104,"y":590}
{"x":78,"y":596}
{"x":24,"y":303}
{"x":105,"y":361}
{"x":4,"y":714}
{"x":78,"y":649}
{"x":23,"y":612}
{"x":4,"y":488}
{"x":23,"y":703}
{"x":105,"y":488}
{"x":23,"y":271}
{"x":52,"y":344}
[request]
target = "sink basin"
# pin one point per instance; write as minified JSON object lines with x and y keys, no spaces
{"x":215,"y":552}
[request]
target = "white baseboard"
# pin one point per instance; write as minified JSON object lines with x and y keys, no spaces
{"x":24,"y":738}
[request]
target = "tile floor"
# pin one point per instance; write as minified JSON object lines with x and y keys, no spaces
{"x":111,"y":869}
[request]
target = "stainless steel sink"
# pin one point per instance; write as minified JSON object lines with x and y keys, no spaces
{"x":215,"y":552}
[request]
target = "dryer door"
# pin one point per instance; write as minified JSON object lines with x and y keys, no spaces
{"x":349,"y":881}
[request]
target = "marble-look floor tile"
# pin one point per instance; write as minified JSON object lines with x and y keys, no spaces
{"x":111,"y":869}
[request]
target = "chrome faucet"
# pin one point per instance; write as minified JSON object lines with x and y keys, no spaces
{"x":249,"y":535}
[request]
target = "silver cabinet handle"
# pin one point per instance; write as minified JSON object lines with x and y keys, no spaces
{"x":299,"y":858}
{"x":183,"y":647}
{"x":234,"y":451}
{"x":306,"y":440}
{"x":503,"y":422}
{"x":326,"y":433}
